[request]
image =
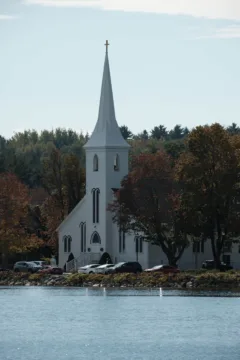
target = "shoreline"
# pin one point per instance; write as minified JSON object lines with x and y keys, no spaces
{"x":194,"y":281}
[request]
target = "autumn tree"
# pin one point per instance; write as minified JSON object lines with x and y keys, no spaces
{"x":73,"y":180}
{"x":14,"y":218}
{"x":64,"y":180}
{"x":174,"y":148}
{"x":209,"y":174}
{"x":148,"y":203}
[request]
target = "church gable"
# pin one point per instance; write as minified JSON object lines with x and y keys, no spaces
{"x":79,"y":209}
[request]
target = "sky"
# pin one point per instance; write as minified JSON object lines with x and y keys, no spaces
{"x":172,"y":62}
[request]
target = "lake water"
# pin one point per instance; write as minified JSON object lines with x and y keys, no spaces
{"x":72,"y":324}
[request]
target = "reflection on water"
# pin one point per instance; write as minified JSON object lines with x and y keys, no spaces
{"x":99,"y":291}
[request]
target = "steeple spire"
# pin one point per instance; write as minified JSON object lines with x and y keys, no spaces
{"x":107,"y":45}
{"x":106,"y":132}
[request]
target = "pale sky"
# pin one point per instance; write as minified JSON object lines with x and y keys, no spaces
{"x":172,"y":62}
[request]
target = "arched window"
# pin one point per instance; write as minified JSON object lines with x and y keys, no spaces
{"x":95,"y":208}
{"x":121,"y":239}
{"x":95,"y":163}
{"x":97,"y":205}
{"x":69,"y":243}
{"x":116,"y":163}
{"x":139,"y":244}
{"x":83,"y":237}
{"x":65,"y":238}
{"x":95,"y":238}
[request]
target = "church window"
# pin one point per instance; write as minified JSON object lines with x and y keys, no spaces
{"x":121,"y":239}
{"x":65,"y":243}
{"x":83,"y":237}
{"x":95,"y":163}
{"x":139,"y":244}
{"x":116,"y":163}
{"x":95,"y":205}
{"x":198,"y":246}
{"x":95,"y":238}
{"x":69,"y":243}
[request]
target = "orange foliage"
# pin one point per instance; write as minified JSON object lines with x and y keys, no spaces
{"x":14,"y":205}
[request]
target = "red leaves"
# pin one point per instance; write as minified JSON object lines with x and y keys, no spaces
{"x":148,"y":202}
{"x":209,"y":174}
{"x":14,"y":205}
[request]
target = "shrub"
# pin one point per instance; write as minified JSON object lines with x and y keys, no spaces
{"x":76,"y":279}
{"x":36,"y":277}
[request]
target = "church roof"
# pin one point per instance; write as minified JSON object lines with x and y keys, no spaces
{"x":106,"y":132}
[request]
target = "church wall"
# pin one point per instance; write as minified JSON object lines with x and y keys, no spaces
{"x":192,"y":260}
{"x":104,"y":179}
{"x":189,"y":259}
{"x":71,"y":228}
{"x":156,"y":256}
{"x":235,"y":256}
{"x":113,"y":180}
{"x":95,"y":180}
{"x":130,"y":249}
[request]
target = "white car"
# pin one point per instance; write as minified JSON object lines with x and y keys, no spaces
{"x":102,"y":268}
{"x":88,"y":269}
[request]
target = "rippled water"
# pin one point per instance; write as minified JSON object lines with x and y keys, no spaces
{"x":73,"y":324}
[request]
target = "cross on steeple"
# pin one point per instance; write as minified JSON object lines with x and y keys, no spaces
{"x":107,"y":45}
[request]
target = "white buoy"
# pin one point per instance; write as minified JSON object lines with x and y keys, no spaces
{"x":160,"y":292}
{"x":86,"y":291}
{"x":104,"y":291}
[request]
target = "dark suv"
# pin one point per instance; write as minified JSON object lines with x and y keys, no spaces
{"x":210,"y":265}
{"x":126,"y":267}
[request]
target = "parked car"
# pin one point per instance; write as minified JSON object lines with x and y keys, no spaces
{"x":26,"y":266}
{"x":102,"y":269}
{"x":88,"y":269}
{"x":125,"y":267}
{"x":41,"y":263}
{"x":54,"y":270}
{"x":210,"y":265}
{"x":165,"y":269}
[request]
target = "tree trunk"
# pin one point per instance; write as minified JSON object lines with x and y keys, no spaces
{"x":172,"y":261}
{"x":216,"y":254}
{"x":172,"y":254}
{"x":4,"y":260}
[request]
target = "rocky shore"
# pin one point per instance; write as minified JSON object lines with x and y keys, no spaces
{"x":199,"y":280}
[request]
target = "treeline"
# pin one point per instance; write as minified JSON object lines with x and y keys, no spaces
{"x":23,"y":154}
{"x":49,"y":168}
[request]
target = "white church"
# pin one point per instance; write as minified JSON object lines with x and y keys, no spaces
{"x":88,"y":231}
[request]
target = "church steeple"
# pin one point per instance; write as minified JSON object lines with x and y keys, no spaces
{"x":106,"y":132}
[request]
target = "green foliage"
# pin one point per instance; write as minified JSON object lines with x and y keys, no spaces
{"x":36,"y":277}
{"x":174,"y":148}
{"x":159,"y":132}
{"x":126,"y":132}
{"x":76,"y":279}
